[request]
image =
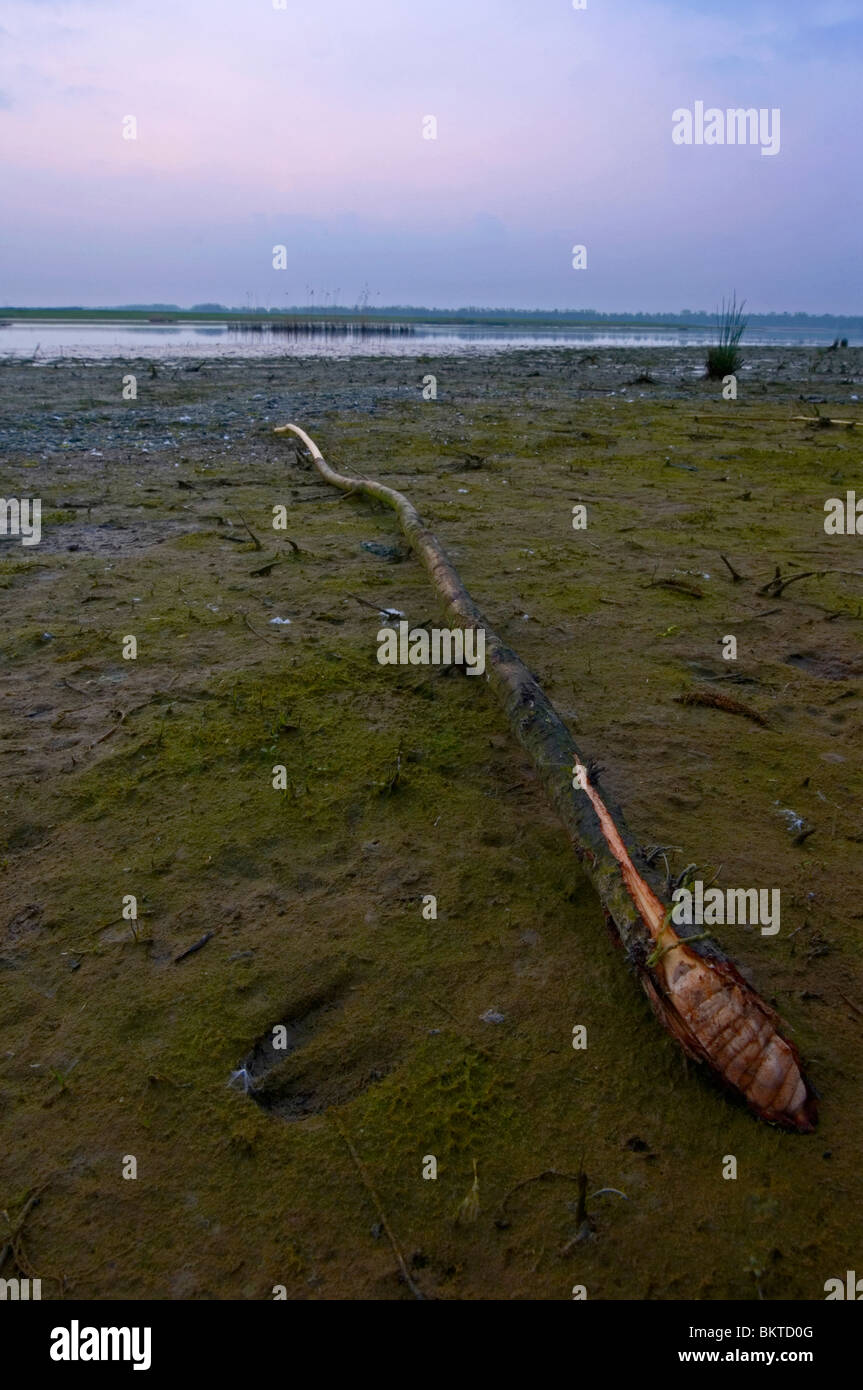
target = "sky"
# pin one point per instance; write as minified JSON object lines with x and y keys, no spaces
{"x":305,"y":126}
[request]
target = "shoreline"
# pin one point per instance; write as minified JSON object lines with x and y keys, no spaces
{"x":184,"y":398}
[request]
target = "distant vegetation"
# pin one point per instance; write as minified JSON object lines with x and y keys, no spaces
{"x":696,"y":319}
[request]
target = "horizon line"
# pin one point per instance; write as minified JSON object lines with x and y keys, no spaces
{"x":214,"y":308}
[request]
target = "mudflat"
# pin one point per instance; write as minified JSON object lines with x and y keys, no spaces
{"x":408,"y":1037}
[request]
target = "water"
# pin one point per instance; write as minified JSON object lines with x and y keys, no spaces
{"x":46,"y":341}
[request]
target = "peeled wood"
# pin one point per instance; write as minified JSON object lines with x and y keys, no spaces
{"x":695,"y":990}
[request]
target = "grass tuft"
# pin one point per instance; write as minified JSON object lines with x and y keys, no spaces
{"x":725,"y":358}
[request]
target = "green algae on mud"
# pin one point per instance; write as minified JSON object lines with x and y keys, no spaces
{"x":155,"y":778}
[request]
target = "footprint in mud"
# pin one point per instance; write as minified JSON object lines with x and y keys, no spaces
{"x":308,"y":1060}
{"x":831,"y":668}
{"x":29,"y":919}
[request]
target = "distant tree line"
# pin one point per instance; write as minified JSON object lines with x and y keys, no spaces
{"x":480,"y":314}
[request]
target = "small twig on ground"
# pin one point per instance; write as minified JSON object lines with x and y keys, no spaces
{"x":392,"y":783}
{"x":263,"y":635}
{"x":382,"y":1216}
{"x":15,"y":1232}
{"x":255,"y":541}
{"x":821,"y":420}
{"x":123,"y":715}
{"x":277,"y":559}
{"x":774,"y":591}
{"x":547,"y":1175}
{"x":72,"y":949}
{"x":684,"y":876}
{"x":190,"y":950}
{"x":133,"y":709}
{"x":652,"y":852}
{"x":851,"y":1004}
{"x":738,"y":578}
{"x":714,"y":878}
{"x":377,"y":607}
{"x":444,"y":1010}
{"x":679,"y":584}
{"x":712,"y":699}
{"x":775,"y":586}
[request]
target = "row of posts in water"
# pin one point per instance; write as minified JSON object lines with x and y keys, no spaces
{"x":340,"y":327}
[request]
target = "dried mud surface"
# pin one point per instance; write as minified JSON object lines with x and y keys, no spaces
{"x":153,"y":777}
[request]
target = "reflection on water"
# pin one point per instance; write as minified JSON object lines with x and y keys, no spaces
{"x":46,"y":341}
{"x":320,"y":328}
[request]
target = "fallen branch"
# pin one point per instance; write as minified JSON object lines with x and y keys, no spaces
{"x":695,"y":990}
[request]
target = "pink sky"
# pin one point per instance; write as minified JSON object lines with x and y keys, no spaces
{"x":303,"y":126}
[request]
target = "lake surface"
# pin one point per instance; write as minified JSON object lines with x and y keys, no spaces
{"x":46,"y":341}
